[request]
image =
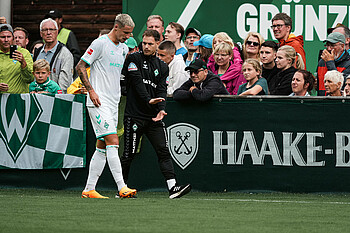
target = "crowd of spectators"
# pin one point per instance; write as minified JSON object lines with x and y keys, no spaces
{"x":254,"y":67}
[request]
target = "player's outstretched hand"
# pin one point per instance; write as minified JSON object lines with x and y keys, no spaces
{"x":160,"y":115}
{"x":94,"y":98}
{"x":156,"y":100}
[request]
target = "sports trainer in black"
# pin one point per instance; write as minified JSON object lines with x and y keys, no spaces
{"x":145,"y":77}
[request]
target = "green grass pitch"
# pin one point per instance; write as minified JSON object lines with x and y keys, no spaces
{"x":29,"y":210}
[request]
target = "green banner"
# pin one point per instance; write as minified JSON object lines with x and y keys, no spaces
{"x":311,"y":18}
{"x":42,"y":131}
{"x":231,"y":143}
{"x":256,"y":143}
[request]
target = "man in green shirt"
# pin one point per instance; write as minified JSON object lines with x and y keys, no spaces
{"x":15,"y":73}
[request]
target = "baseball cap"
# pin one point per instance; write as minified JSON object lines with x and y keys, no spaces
{"x":335,"y":37}
{"x":206,"y":41}
{"x":6,"y":27}
{"x":131,"y":42}
{"x":192,"y":30}
{"x":54,"y":14}
{"x":196,"y":65}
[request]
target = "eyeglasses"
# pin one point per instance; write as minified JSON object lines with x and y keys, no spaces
{"x":195,"y":71}
{"x":278,"y":26}
{"x":48,"y":30}
{"x":252,"y":43}
{"x":192,"y":37}
{"x":222,"y":55}
{"x":331,"y":45}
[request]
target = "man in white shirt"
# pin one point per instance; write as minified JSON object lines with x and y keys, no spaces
{"x":106,"y":56}
{"x":177,"y":74}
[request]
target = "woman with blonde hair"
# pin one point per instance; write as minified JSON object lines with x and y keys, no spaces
{"x":222,"y":37}
{"x":256,"y":85}
{"x":226,"y":62}
{"x":251,"y":45}
{"x":285,"y":59}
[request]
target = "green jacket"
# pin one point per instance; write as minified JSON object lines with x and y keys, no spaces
{"x":11,"y":73}
{"x":49,"y":86}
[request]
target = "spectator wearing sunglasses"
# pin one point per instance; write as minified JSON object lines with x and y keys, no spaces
{"x":252,"y":44}
{"x":282,"y":26}
{"x":201,"y":86}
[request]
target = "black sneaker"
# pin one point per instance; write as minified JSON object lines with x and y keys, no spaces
{"x":179,"y":190}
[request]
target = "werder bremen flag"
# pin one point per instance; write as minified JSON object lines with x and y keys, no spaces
{"x":40,"y":131}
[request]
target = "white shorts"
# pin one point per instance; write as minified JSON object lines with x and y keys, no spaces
{"x":104,"y":120}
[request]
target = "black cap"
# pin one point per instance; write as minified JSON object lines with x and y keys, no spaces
{"x":54,"y":14}
{"x":192,"y":30}
{"x":196,"y":65}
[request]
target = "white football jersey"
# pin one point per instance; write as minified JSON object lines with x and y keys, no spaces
{"x":106,"y":60}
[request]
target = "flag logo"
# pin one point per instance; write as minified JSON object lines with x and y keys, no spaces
{"x":132,"y":67}
{"x":17,"y":121}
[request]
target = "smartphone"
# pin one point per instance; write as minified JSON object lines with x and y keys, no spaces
{"x":12,"y":49}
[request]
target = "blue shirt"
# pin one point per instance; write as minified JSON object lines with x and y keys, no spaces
{"x":47,"y":56}
{"x":181,"y":51}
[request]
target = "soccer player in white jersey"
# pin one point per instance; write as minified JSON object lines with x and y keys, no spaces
{"x":106,"y":57}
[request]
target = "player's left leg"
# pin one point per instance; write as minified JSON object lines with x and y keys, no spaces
{"x":157,"y":136}
{"x":112,"y":145}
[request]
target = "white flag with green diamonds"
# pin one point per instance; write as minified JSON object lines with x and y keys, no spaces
{"x":39,"y":131}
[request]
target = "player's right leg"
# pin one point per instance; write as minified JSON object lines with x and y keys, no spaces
{"x":157,"y":136}
{"x":98,"y":160}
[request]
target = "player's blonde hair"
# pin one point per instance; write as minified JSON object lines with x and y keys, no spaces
{"x":41,"y":64}
{"x":124,"y":20}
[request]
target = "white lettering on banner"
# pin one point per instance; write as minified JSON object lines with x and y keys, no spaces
{"x":291,"y":153}
{"x":251,"y":18}
{"x":342,"y":146}
{"x":311,"y":149}
{"x":230,"y":147}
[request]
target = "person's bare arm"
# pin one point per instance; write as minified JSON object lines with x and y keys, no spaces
{"x":81,"y":69}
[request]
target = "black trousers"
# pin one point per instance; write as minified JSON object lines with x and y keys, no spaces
{"x":156,"y":134}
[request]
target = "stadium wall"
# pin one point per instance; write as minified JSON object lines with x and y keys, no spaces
{"x":231,"y":144}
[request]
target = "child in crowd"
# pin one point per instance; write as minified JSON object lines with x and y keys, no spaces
{"x":42,"y":83}
{"x":255,"y":85}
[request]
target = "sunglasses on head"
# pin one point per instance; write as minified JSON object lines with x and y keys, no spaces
{"x":252,"y":43}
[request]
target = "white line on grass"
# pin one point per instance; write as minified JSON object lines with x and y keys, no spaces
{"x":271,"y":201}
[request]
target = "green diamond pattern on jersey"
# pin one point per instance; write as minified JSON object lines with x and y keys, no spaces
{"x":39,"y":131}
